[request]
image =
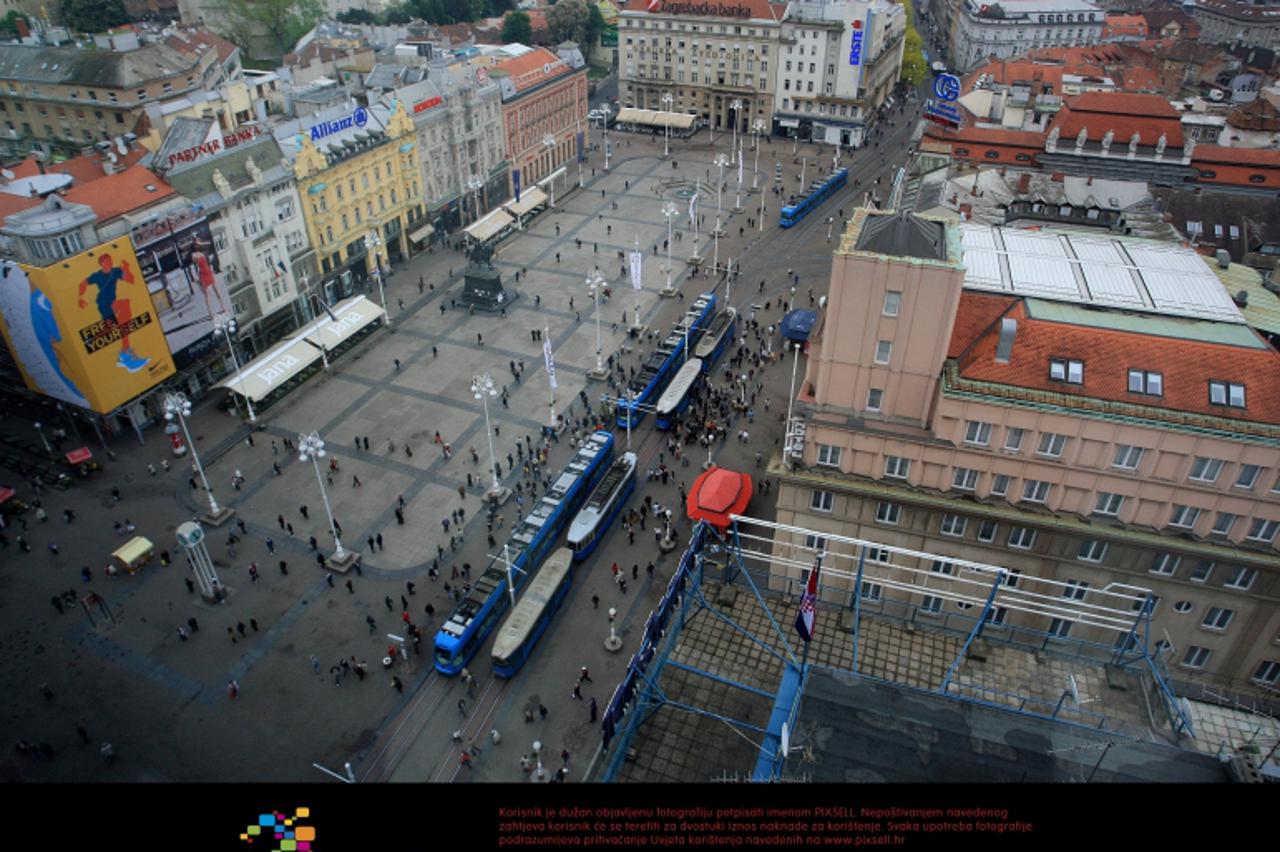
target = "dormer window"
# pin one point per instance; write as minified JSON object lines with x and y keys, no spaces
{"x":1141,"y":381}
{"x":1066,"y":370}
{"x":1226,"y":393}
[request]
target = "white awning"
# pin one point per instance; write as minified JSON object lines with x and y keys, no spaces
{"x":489,"y":226}
{"x":300,"y":350}
{"x":656,"y":118}
{"x":789,"y":122}
{"x":422,"y":233}
{"x":529,"y":199}
{"x":558,"y":173}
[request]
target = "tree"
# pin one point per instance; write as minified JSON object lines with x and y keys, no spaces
{"x":93,"y":16}
{"x":401,"y":14}
{"x":517,"y":28}
{"x":9,"y":24}
{"x":567,"y":21}
{"x":357,"y":16}
{"x":494,"y":8}
{"x":283,"y":21}
{"x":913,"y":67}
{"x":593,"y":30}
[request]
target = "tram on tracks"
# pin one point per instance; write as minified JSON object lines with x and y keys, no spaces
{"x":675,"y":399}
{"x":592,"y":522}
{"x":477,"y":614}
{"x":531,"y":616}
{"x":818,"y":192}
{"x":718,"y":337}
{"x":649,"y":383}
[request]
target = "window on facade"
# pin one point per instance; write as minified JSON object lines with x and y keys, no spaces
{"x":931,"y":604}
{"x":1240,"y":578}
{"x":892,"y":303}
{"x":1066,"y":370}
{"x":1108,"y":504}
{"x":1092,"y":550}
{"x":977,"y":432}
{"x":1267,"y":673}
{"x":1165,"y":564}
{"x":1127,"y":457}
{"x":999,"y":485}
{"x":878,"y":554}
{"x":1013,"y":439}
{"x":815,"y":542}
{"x":1205,"y":469}
{"x":828,"y":456}
{"x":1035,"y":491}
{"x":954,"y":524}
{"x":1247,"y":476}
{"x":875,"y":397}
{"x":896,"y":467}
{"x":1145,"y":382}
{"x":888,"y":513}
{"x":1183,"y":607}
{"x":1226,"y":393}
{"x":1051,"y":445}
{"x":944,"y":566}
{"x":1217,"y":618}
{"x":1196,"y":657}
{"x":965,"y":479}
{"x":1075,"y":590}
{"x":1184,"y":517}
{"x":987,"y":531}
{"x":821,"y":501}
{"x":1223,"y":523}
{"x":1022,"y":538}
{"x":1263,"y":530}
{"x":872,"y":592}
{"x":1059,"y":628}
{"x":884,"y":349}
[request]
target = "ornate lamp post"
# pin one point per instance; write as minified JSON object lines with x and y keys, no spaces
{"x":736,"y":106}
{"x":40,"y":429}
{"x":372,"y":242}
{"x":595,"y":283}
{"x":758,"y":128}
{"x":474,"y":185}
{"x":721,"y":161}
{"x":227,"y":328}
{"x":311,"y":448}
{"x":667,"y":100}
{"x":550,"y":142}
{"x":669,"y":210}
{"x":177,"y":406}
{"x":614,"y":643}
{"x":482,"y":389}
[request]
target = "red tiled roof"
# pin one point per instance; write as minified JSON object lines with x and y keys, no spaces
{"x":1236,"y":156}
{"x":1070,"y":120}
{"x":1187,"y":365}
{"x":1124,"y":25}
{"x":1123,"y":103}
{"x":997,"y":136}
{"x":83,"y":169}
{"x":976,"y":314}
{"x":527,"y":71}
{"x":196,"y":37}
{"x":760,"y":9}
{"x":115,"y":195}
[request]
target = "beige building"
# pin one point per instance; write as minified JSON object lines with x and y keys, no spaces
{"x":705,"y":55}
{"x":1089,"y":409}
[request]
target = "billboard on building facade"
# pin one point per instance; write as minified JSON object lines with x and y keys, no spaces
{"x":185,"y":278}
{"x":84,"y":330}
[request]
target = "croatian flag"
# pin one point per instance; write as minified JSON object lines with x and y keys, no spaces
{"x":281,"y":270}
{"x":804,"y":621}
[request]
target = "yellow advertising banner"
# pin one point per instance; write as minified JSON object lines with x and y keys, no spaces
{"x":84,"y":330}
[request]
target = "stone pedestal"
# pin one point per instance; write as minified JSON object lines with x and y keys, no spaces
{"x":483,"y":289}
{"x":216,"y":520}
{"x":343,"y":565}
{"x":497,"y":497}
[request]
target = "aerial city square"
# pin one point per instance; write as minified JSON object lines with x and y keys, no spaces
{"x":645,"y":391}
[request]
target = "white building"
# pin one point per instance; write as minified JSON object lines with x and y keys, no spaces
{"x":1013,"y":27}
{"x":838,"y":63}
{"x":245,"y":188}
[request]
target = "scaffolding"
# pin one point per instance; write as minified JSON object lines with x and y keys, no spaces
{"x":861,"y":585}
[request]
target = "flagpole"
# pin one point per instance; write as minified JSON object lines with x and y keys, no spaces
{"x":551,"y":377}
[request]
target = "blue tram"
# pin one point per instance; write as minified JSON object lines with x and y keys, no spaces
{"x":478,"y":612}
{"x":675,"y":399}
{"x":529,"y":620}
{"x":661,"y":365}
{"x":818,"y":192}
{"x":719,"y":337}
{"x":602,"y":506}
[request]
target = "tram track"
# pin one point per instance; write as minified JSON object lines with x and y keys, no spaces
{"x":482,"y":711}
{"x":412,"y":719}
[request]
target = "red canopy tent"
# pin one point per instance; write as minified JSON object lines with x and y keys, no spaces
{"x":81,"y":455}
{"x":717,"y":494}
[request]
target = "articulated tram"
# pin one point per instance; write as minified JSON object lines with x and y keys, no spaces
{"x":477,"y":614}
{"x":717,"y":339}
{"x":675,"y":399}
{"x":529,"y":620}
{"x":819,"y":191}
{"x":662,"y":364}
{"x":602,"y":506}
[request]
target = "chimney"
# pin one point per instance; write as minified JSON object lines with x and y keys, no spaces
{"x":1224,"y":258}
{"x":1241,"y":299}
{"x":1004,"y":347}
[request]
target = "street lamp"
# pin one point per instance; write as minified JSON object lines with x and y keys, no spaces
{"x":482,"y":389}
{"x":40,"y":428}
{"x":607,"y":149}
{"x":176,"y":405}
{"x":721,"y":160}
{"x":736,"y":106}
{"x":595,"y":281}
{"x":227,"y":328}
{"x":371,"y":243}
{"x":474,"y":185}
{"x":613,"y":643}
{"x":550,"y":142}
{"x":667,"y":100}
{"x":537,"y":753}
{"x":791,"y":397}
{"x":311,"y":448}
{"x":669,"y":210}
{"x":830,"y":221}
{"x":758,"y":128}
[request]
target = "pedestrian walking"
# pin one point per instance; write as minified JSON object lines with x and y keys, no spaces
{"x":542,"y":711}
{"x":253,"y":624}
{"x":462,"y":707}
{"x":577,"y":687}
{"x":595,"y":601}
{"x":387,"y":600}
{"x":182,"y":633}
{"x":397,"y":684}
{"x":351,"y":589}
{"x":253,"y":572}
{"x":303,"y":511}
{"x":373,"y":625}
{"x":271,"y":546}
{"x":409,"y":585}
{"x":191,"y":587}
{"x":233,"y":689}
{"x":193,"y":624}
{"x":232,"y":634}
{"x":284,"y":568}
{"x":378,"y":539}
{"x":584,"y":676}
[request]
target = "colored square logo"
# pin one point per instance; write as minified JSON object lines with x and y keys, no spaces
{"x":255,"y":829}
{"x":267,"y":819}
{"x":306,"y":832}
{"x":302,"y":812}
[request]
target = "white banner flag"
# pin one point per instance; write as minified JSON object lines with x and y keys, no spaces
{"x":551,"y":363}
{"x":693,"y":211}
{"x":739,"y":165}
{"x":637,"y":267}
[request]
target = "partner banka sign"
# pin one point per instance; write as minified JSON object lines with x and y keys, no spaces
{"x":359,"y":118}
{"x":706,"y":10}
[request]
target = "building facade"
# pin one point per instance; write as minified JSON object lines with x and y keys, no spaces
{"x":837,"y":64}
{"x":707,"y":56}
{"x":981,"y":401}
{"x":459,"y":124}
{"x":1227,"y":22}
{"x":60,"y":99}
{"x":981,"y":30}
{"x":360,"y":187}
{"x":544,"y":113}
{"x":247,"y":191}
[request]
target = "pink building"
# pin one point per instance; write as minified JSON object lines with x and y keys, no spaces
{"x":1085,"y":408}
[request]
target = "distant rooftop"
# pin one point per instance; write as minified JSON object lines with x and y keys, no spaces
{"x":1141,"y":275}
